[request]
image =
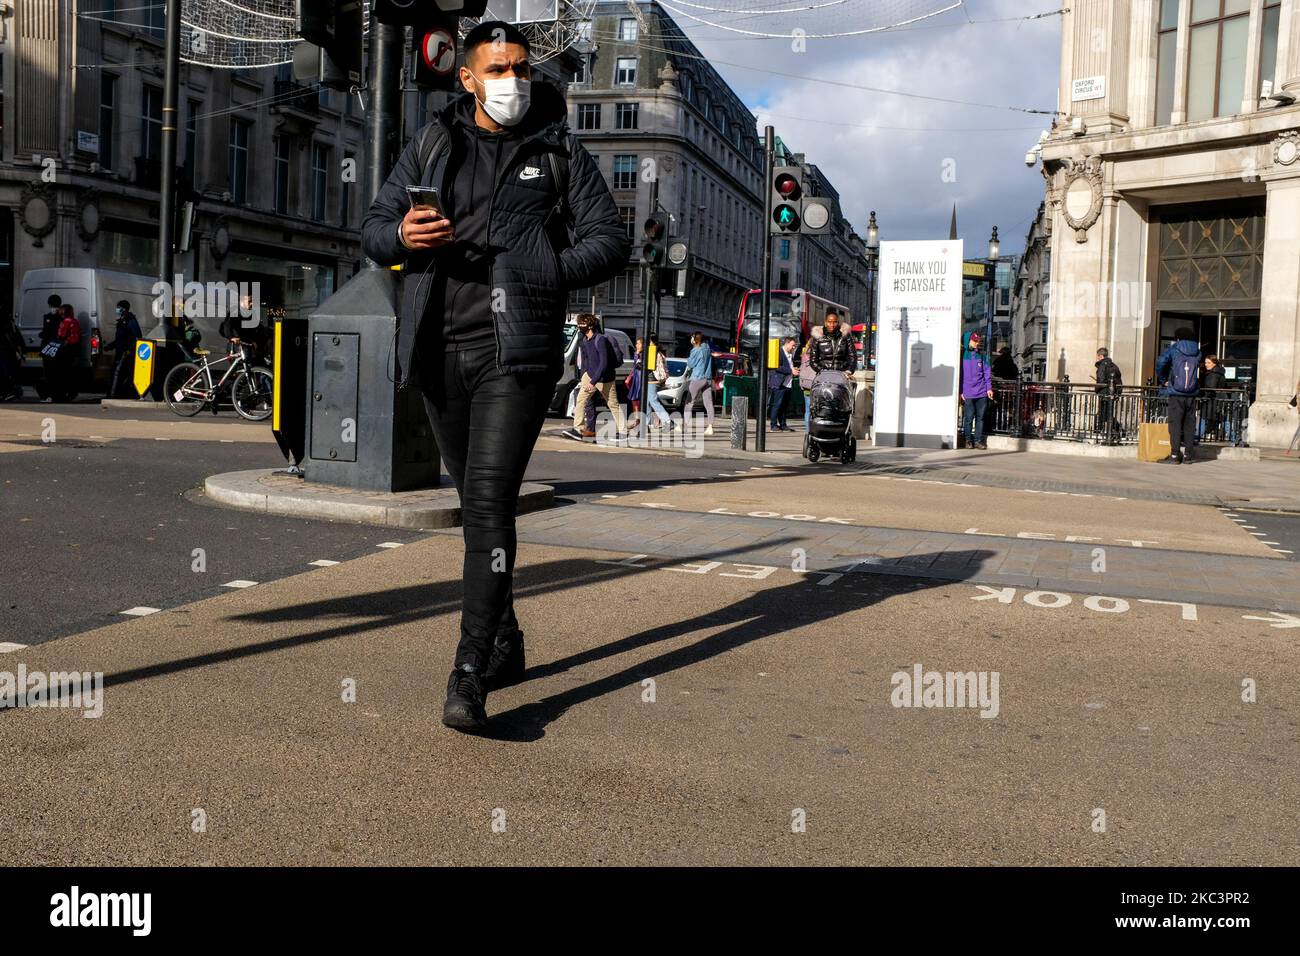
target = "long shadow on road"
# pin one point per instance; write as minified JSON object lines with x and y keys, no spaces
{"x":767,"y":612}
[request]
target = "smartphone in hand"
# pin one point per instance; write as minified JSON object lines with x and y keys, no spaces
{"x":425,"y":197}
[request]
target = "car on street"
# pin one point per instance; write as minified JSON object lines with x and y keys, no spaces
{"x":724,"y":364}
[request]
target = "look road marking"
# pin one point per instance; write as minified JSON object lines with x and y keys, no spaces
{"x":1094,"y":602}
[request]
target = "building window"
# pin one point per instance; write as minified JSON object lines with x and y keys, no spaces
{"x":151,"y":122}
{"x":580,"y":299}
{"x":1167,"y":54}
{"x":192,"y":137}
{"x":155,"y":19}
{"x":620,"y":288}
{"x":1268,"y":52}
{"x":1216,"y":60}
{"x":580,"y":74}
{"x":627,"y":30}
{"x":628,"y":215}
{"x":283,"y":150}
{"x":625,"y":71}
{"x":237,"y":167}
{"x":320,"y":162}
{"x":588,"y":116}
{"x":345,"y":192}
{"x":625,"y":172}
{"x":107,"y":100}
{"x":626,"y":115}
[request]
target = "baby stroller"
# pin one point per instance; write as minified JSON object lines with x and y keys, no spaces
{"x":832,"y":414}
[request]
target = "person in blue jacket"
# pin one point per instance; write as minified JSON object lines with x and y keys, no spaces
{"x":976,"y":390}
{"x":1178,"y":370}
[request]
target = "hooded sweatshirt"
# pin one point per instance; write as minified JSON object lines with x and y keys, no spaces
{"x":464,"y":267}
{"x":976,"y":376}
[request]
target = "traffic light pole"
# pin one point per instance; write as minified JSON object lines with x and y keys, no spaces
{"x":651,"y":287}
{"x":383,"y":118}
{"x":166,"y":329}
{"x":769,"y":149}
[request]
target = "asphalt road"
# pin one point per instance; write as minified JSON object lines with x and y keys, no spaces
{"x":668,"y":717}
{"x":98,"y":527}
{"x":1278,"y":531}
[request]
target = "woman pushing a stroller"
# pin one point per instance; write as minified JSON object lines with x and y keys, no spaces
{"x":834,"y":358}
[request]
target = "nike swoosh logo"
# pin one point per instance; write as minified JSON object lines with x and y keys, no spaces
{"x":531,"y":174}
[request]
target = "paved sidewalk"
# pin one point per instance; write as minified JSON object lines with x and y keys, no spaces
{"x":1270,"y":483}
{"x":1257,"y":583}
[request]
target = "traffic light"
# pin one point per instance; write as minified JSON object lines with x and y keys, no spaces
{"x":787,"y":198}
{"x":654,"y":248}
{"x":334,"y":26}
{"x":793,"y":212}
{"x":416,"y":12}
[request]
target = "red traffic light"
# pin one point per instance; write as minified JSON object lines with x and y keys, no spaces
{"x":787,"y":186}
{"x":654,"y":228}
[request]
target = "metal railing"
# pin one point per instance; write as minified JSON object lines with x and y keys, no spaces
{"x":1064,"y":411}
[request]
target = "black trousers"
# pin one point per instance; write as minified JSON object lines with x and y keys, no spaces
{"x":1182,"y":424}
{"x":123,"y":373}
{"x":486,"y":423}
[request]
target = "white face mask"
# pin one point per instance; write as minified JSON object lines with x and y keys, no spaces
{"x":506,"y":101}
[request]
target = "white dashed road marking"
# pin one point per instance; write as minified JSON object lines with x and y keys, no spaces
{"x":8,"y":647}
{"x":389,"y":544}
{"x":140,"y":611}
{"x":239,"y":584}
{"x":323,"y":563}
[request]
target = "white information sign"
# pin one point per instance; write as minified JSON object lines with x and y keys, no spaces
{"x":918,"y":344}
{"x":1088,"y":88}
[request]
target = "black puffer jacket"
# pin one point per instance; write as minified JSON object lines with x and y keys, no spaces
{"x":536,"y":260}
{"x":835,"y":352}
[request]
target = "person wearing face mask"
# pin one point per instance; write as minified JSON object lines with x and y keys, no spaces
{"x":126,"y":333}
{"x":525,"y":217}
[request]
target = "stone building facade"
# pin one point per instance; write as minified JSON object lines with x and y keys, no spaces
{"x":1173,"y":189}
{"x":1031,"y":298}
{"x":646,"y":102}
{"x":268,"y":158}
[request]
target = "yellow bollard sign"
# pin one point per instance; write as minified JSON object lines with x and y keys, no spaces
{"x":652,"y":356}
{"x":773,"y":353}
{"x":143,"y":374}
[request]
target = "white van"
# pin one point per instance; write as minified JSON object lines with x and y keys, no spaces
{"x":570,"y":376}
{"x":93,"y":295}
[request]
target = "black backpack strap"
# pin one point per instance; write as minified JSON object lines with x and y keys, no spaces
{"x":560,"y":176}
{"x":433,"y":143}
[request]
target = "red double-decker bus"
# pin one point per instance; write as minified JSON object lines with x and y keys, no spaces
{"x":792,"y":314}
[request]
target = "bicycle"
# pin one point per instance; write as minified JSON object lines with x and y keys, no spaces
{"x":190,"y":386}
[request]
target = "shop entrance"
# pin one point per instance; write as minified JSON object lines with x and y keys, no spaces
{"x":1210,"y":271}
{"x":1231,"y":334}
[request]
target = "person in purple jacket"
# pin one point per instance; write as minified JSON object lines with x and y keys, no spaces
{"x":976,"y":390}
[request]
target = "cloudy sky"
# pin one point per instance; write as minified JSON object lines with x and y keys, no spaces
{"x":900,"y":172}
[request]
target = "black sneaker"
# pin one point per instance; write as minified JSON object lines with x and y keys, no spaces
{"x":506,"y":665}
{"x":466,"y":696}
{"x":573,"y":434}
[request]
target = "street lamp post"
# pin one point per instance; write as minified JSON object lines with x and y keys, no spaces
{"x":873,"y":270}
{"x":995,"y":251}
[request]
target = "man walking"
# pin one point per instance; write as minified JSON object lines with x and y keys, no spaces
{"x":1109,"y":381}
{"x":1179,"y":369}
{"x":126,"y":334}
{"x":525,"y":217}
{"x":976,"y":390}
{"x":600,"y":362}
{"x":778,"y":385}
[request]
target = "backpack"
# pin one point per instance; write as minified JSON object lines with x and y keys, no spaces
{"x":434,"y":143}
{"x":1182,"y":376}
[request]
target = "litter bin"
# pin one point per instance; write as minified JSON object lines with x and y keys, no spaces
{"x":733,"y":385}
